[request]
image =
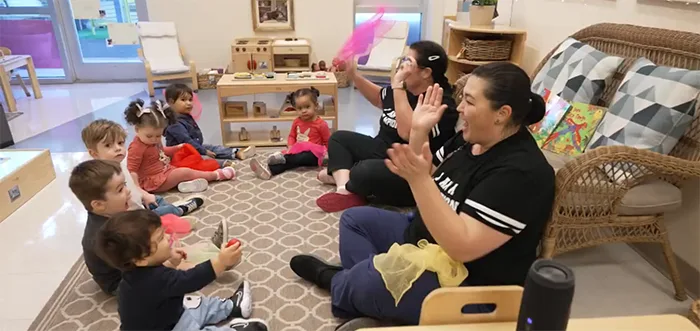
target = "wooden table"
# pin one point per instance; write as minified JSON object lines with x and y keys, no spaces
{"x":626,"y":323}
{"x":11,"y":62}
{"x":230,"y":87}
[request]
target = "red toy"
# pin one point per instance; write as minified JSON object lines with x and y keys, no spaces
{"x":188,"y":157}
{"x":232,"y":242}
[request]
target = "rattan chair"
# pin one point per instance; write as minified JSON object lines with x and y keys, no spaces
{"x":595,"y":202}
{"x":590,"y":207}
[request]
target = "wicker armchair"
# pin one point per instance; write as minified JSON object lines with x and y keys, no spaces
{"x":593,"y":203}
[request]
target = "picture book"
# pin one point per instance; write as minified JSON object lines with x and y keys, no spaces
{"x":574,"y":132}
{"x":555,"y":110}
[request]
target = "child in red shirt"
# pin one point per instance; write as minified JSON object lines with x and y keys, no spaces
{"x":307,"y":143}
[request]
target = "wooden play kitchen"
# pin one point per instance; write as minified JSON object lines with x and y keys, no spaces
{"x":260,"y":55}
{"x":238,"y":112}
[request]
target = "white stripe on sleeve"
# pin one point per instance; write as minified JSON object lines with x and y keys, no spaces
{"x":497,"y":223}
{"x":440,"y":154}
{"x":503,"y":219}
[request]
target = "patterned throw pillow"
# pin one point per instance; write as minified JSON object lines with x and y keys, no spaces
{"x":652,"y":108}
{"x":576,"y":72}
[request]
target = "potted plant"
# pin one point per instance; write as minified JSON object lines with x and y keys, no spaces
{"x":482,"y":12}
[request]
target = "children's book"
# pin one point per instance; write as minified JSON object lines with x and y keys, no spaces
{"x":574,"y":132}
{"x":555,"y":110}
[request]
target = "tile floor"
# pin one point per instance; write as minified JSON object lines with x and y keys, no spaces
{"x":41,"y":240}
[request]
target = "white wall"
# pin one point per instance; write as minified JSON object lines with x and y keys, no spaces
{"x":208,"y":27}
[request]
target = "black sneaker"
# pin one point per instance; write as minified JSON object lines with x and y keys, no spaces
{"x":242,"y":302}
{"x":253,"y":324}
{"x":188,"y":206}
{"x":220,"y":236}
{"x":314,"y":270}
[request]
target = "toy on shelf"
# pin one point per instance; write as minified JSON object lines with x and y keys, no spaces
{"x":242,"y":75}
{"x":275,"y":134}
{"x":243,"y":135}
{"x":235,"y":109}
{"x":322,"y":66}
{"x":259,"y":109}
{"x":287,"y":109}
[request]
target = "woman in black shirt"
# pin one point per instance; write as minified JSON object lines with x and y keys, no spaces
{"x":424,"y":66}
{"x":484,"y":198}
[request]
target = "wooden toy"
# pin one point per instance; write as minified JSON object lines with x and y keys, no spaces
{"x":275,"y":134}
{"x":235,"y":109}
{"x":259,"y":109}
{"x":243,"y":135}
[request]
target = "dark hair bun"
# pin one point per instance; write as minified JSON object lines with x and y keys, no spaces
{"x":132,"y":110}
{"x":537,"y":108}
{"x":315,"y":91}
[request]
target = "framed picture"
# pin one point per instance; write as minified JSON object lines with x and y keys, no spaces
{"x":273,"y":15}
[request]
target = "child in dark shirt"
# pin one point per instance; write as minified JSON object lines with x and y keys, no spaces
{"x":152,"y":295}
{"x":101,"y":187}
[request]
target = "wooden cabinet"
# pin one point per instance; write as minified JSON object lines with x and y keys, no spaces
{"x":251,"y":55}
{"x":292,"y":54}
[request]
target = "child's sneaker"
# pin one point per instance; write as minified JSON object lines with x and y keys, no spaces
{"x":276,"y":158}
{"x":220,"y":236}
{"x":253,"y":324}
{"x":193,"y":186}
{"x":227,"y":173}
{"x":242,"y":301}
{"x":260,"y":170}
{"x":190,"y":205}
{"x":246,"y":153}
{"x":228,"y":164}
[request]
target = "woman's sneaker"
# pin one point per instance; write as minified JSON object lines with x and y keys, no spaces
{"x":242,"y":301}
{"x":260,"y":170}
{"x":253,"y":324}
{"x":276,"y":158}
{"x":193,"y":186}
{"x":220,"y":236}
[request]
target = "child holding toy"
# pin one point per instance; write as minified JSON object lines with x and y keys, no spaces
{"x":186,"y":130}
{"x":153,"y":295}
{"x":148,"y":160}
{"x":307,"y":142}
{"x":104,"y":140}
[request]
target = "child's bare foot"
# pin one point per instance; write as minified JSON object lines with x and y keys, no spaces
{"x":197,"y":185}
{"x":276,"y":158}
{"x":260,"y":170}
{"x":325,"y":178}
{"x":246,"y":153}
{"x":227,"y":173}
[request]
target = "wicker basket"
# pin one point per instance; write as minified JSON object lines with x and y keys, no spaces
{"x":695,"y":312}
{"x":342,"y":78}
{"x":208,"y":81}
{"x":486,"y":50}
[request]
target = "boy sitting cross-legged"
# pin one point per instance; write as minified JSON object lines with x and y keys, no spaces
{"x":152,"y":295}
{"x":104,"y":140}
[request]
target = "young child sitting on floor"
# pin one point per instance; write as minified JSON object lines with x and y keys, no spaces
{"x":104,"y":140}
{"x":100,"y":187}
{"x":152,"y":295}
{"x":307,"y":143}
{"x":186,"y":130}
{"x":148,"y":160}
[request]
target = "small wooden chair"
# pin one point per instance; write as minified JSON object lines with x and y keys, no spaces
{"x":444,"y":305}
{"x":6,"y":51}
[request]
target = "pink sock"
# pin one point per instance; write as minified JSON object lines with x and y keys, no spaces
{"x":227,"y":173}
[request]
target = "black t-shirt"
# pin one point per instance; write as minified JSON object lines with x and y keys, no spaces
{"x":105,"y":276}
{"x":509,"y":188}
{"x":442,"y":132}
{"x":150,"y":298}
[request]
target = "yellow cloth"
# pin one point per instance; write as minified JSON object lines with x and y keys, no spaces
{"x":403,"y":264}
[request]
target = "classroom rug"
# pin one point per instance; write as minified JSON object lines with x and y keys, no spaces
{"x":274,"y":219}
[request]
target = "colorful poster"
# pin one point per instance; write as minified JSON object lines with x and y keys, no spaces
{"x":555,"y":110}
{"x":573,"y":133}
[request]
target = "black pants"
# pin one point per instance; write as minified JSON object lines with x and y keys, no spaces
{"x":303,"y":159}
{"x":369,"y":176}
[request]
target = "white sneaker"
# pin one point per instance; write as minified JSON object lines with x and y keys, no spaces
{"x":260,"y":170}
{"x":192,"y":186}
{"x":276,"y":158}
{"x":252,"y":324}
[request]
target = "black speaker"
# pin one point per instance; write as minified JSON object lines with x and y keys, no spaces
{"x":546,"y":304}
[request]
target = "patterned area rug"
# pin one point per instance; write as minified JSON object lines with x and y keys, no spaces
{"x":274,"y":219}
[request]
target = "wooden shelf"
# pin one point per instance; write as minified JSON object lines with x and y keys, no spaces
{"x":253,"y":119}
{"x":257,"y":138}
{"x":291,"y":69}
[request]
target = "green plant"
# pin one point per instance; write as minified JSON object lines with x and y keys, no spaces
{"x":484,"y":2}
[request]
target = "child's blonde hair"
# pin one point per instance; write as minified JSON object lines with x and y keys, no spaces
{"x":102,"y":130}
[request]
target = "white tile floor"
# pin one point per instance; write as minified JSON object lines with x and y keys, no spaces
{"x":41,"y":240}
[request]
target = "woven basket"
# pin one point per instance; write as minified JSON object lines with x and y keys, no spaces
{"x":342,"y":78}
{"x":485,"y":50}
{"x":695,"y":312}
{"x":208,"y":81}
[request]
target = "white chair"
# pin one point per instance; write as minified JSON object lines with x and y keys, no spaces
{"x":162,"y":55}
{"x":386,"y":54}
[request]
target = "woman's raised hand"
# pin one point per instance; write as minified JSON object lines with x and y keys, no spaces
{"x":429,"y":109}
{"x":404,"y":162}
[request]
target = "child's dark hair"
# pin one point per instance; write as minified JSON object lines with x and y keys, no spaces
{"x":174,"y":91}
{"x":88,"y":180}
{"x":126,"y":238}
{"x":312,"y":92}
{"x":157,"y":114}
